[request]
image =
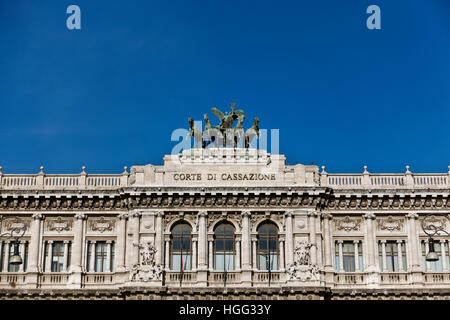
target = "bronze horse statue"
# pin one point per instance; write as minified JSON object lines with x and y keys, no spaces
{"x":251,"y":133}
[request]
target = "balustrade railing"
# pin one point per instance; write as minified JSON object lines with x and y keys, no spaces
{"x":353,"y":278}
{"x":368,"y":180}
{"x":62,"y":182}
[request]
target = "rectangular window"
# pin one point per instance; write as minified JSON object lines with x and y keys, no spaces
{"x":100,"y":256}
{"x":13,"y":267}
{"x":348,"y":257}
{"x":392,"y":264}
{"x":57,"y":262}
{"x":435,"y":266}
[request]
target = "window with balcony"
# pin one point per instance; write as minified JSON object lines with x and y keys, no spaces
{"x":57,"y":256}
{"x":392,"y":255}
{"x":441,"y":247}
{"x":348,"y":256}
{"x":224,"y":247}
{"x":100,"y":256}
{"x":267,"y":247}
{"x":181,"y":247}
{"x":23,"y":253}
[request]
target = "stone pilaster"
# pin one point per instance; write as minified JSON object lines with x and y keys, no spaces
{"x":121,"y":243}
{"x":77,"y":249}
{"x":33,"y":256}
{"x":159,"y":238}
{"x":202,"y":274}
{"x":373,"y":276}
{"x":289,"y":257}
{"x":246,"y":276}
{"x":415,"y":249}
{"x":313,"y":236}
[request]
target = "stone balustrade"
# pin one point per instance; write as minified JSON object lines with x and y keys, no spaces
{"x":365,"y":180}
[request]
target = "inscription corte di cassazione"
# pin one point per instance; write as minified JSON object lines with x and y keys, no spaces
{"x":224,"y":176}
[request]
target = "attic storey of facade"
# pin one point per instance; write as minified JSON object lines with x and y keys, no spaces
{"x":226,"y":221}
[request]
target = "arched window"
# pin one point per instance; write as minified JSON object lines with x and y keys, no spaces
{"x":180,"y":247}
{"x":224,"y":247}
{"x":267,"y":250}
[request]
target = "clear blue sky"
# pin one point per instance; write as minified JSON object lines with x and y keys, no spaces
{"x":110,"y":94}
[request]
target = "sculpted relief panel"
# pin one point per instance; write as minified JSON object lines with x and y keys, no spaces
{"x":59,"y":224}
{"x":347,"y":224}
{"x":390,"y":224}
{"x":102,"y":224}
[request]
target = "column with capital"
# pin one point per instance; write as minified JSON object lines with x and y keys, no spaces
{"x":443,"y":255}
{"x":65,"y":255}
{"x":372,"y":279}
{"x":254,"y":262}
{"x":383,"y":256}
{"x":76,"y":261}
{"x":400,"y":255}
{"x":355,"y":244}
{"x":22,"y":247}
{"x":120,"y":247}
{"x":313,"y":236}
{"x":210,"y":254}
{"x":92,"y":257}
{"x":341,"y":256}
{"x":108,"y":256}
{"x":289,"y":257}
{"x":246,"y":275}
{"x":238,"y":254}
{"x":48,"y":267}
{"x":282,"y":268}
{"x":159,"y":238}
{"x":194,"y":254}
{"x":167,"y":252}
{"x":5,"y":261}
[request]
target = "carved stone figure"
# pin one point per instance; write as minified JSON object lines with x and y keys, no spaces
{"x":302,"y":269}
{"x":147,"y":269}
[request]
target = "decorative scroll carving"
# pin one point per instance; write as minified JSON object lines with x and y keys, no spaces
{"x":102,"y":224}
{"x":437,"y":223}
{"x":348,"y":224}
{"x":302,"y":269}
{"x":390,"y":224}
{"x":147,"y":269}
{"x":59,"y":224}
{"x":16,"y":224}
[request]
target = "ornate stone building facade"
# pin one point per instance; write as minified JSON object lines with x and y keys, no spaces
{"x":228,"y":223}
